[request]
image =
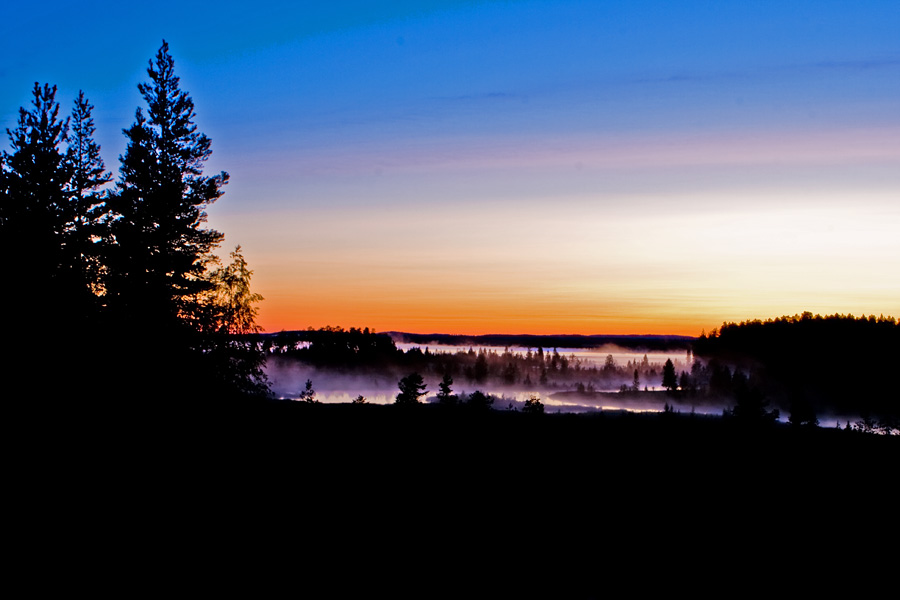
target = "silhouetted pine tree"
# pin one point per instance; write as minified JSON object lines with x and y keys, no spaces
{"x":669,"y":380}
{"x":88,"y":231}
{"x":45,"y":302}
{"x":412,"y":387}
{"x":446,"y":395}
{"x":34,"y":214}
{"x":35,"y":210}
{"x":161,"y":250}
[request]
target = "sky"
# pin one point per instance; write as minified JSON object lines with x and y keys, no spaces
{"x":519,"y":166}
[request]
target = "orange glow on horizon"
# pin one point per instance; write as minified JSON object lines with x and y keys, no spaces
{"x":451,"y":319}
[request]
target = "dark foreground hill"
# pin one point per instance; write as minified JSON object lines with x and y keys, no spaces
{"x":422,"y":501}
{"x":434,"y":440}
{"x":507,"y":454}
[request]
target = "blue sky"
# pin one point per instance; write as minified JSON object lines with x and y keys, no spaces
{"x":575,"y":132}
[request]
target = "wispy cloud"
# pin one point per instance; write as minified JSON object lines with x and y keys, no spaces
{"x":478,"y":97}
{"x":858,"y":65}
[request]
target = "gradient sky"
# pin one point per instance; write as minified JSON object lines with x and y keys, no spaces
{"x":519,"y":167}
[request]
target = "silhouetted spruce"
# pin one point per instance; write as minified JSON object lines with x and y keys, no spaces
{"x":478,"y":400}
{"x":669,"y":380}
{"x":43,"y":294}
{"x":446,"y":395}
{"x":36,"y":212}
{"x":88,"y":237}
{"x":162,"y":249}
{"x":412,"y":387}
{"x":158,"y":285}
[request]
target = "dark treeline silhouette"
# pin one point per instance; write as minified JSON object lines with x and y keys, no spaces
{"x":115,"y":293}
{"x":809,"y":365}
{"x":642,"y":342}
{"x":335,"y":347}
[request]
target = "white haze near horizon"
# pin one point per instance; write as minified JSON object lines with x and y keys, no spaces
{"x":288,"y":379}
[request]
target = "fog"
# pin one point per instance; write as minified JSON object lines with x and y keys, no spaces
{"x":288,"y":378}
{"x":595,"y":356}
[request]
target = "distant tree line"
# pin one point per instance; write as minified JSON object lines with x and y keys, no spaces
{"x":633,"y":342}
{"x":120,"y":284}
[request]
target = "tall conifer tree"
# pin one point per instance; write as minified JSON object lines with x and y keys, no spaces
{"x":35,"y":214}
{"x":161,"y":246}
{"x":88,"y":210}
{"x":35,"y":210}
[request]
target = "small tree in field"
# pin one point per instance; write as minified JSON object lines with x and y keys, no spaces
{"x":412,"y":387}
{"x":478,"y":400}
{"x":533,"y":405}
{"x":308,"y":394}
{"x":446,"y":395}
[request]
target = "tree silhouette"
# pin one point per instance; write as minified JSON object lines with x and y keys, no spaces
{"x":479,"y":400}
{"x":87,"y":236}
{"x":231,"y":298}
{"x":446,"y":395}
{"x":802,"y":412}
{"x":308,"y":394}
{"x":230,"y":348}
{"x":120,"y":281}
{"x":533,"y":405}
{"x":157,"y":286}
{"x":480,"y":370}
{"x":609,"y":365}
{"x":35,"y":214}
{"x":669,"y":379}
{"x":412,"y":387}
{"x":161,"y":248}
{"x":684,"y":381}
{"x":751,"y":408}
{"x":36,"y":211}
